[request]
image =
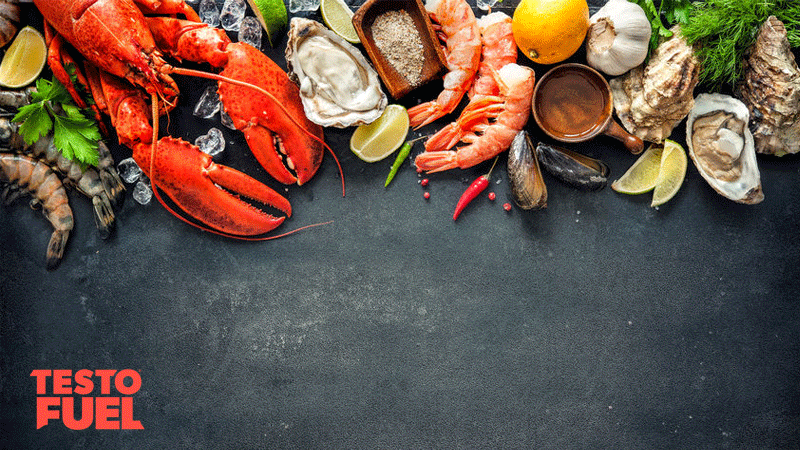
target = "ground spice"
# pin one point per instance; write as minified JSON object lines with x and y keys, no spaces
{"x":398,"y":40}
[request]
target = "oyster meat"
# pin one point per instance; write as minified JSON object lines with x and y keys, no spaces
{"x":721,"y":147}
{"x":652,"y":99}
{"x":338,"y":87}
{"x":771,"y":91}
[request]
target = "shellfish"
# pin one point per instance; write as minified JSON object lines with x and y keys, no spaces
{"x":721,"y":147}
{"x":338,"y":87}
{"x":573,"y":168}
{"x":524,"y":174}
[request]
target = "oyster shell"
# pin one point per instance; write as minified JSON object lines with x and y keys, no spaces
{"x":338,"y":87}
{"x":721,"y":147}
{"x":652,"y":99}
{"x":573,"y":168}
{"x":524,"y":175}
{"x":771,"y":91}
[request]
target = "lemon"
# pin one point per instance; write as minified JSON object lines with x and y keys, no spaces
{"x":550,"y":31}
{"x":642,"y":175}
{"x":272,"y":15}
{"x":24,"y":59}
{"x":672,"y":173}
{"x":379,"y":139}
{"x":339,"y":18}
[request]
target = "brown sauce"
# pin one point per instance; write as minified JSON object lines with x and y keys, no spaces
{"x":572,"y":104}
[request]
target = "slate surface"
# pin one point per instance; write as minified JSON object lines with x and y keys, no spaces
{"x":598,"y":322}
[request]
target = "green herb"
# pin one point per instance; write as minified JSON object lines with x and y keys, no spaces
{"x":51,"y":109}
{"x":674,"y":11}
{"x":724,"y":29}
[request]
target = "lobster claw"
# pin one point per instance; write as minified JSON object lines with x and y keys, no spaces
{"x":210,"y":192}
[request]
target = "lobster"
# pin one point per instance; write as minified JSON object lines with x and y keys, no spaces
{"x":125,"y":66}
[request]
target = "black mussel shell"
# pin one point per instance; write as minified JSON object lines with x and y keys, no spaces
{"x":572,"y":167}
{"x":524,"y":174}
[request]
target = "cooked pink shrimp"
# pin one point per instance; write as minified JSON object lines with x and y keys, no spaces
{"x":463,"y":51}
{"x":499,"y":49}
{"x":495,"y":120}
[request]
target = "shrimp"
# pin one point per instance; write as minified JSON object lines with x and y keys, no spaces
{"x":102,"y":184}
{"x":498,"y":49}
{"x":24,"y":174}
{"x":493,"y":121}
{"x":463,"y":50}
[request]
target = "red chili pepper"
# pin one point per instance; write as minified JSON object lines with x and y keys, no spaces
{"x":477,"y":186}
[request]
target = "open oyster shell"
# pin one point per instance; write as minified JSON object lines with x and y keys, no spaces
{"x":771,"y":91}
{"x":721,"y":147}
{"x":338,"y":87}
{"x":652,"y":99}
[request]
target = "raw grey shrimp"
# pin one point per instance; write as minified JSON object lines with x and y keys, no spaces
{"x":23,"y":174}
{"x":102,"y":184}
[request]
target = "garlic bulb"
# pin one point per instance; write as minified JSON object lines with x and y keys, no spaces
{"x":618,"y":37}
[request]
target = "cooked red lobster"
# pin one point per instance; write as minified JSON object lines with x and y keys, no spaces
{"x":125,"y":68}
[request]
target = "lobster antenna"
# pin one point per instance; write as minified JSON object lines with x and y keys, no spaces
{"x":217,"y":77}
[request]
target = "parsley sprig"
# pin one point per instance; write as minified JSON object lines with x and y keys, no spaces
{"x":51,"y":109}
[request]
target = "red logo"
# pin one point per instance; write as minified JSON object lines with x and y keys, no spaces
{"x":106,"y":412}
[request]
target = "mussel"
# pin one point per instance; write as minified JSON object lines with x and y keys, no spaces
{"x":572,"y":167}
{"x":524,"y":174}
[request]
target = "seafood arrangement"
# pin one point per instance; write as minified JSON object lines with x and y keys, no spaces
{"x":129,"y":52}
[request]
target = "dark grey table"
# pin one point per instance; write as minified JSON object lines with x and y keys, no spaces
{"x":597,"y":322}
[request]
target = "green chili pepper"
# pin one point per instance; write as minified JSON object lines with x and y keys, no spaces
{"x":401,"y":156}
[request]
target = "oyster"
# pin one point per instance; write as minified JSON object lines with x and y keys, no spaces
{"x":573,"y":168}
{"x":524,"y":174}
{"x":652,"y":99}
{"x":338,"y":87}
{"x":771,"y":91}
{"x":721,"y":147}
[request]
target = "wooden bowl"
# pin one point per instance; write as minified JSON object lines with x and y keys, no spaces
{"x":435,"y":63}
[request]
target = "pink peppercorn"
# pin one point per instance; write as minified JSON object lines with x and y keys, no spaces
{"x":427,"y":195}
{"x":424,"y":182}
{"x":492,"y":196}
{"x":507,"y":206}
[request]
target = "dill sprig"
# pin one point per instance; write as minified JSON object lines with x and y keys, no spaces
{"x":724,"y":29}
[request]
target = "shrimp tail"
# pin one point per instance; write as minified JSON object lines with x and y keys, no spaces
{"x":437,"y":161}
{"x":55,"y":248}
{"x":424,"y":113}
{"x":445,"y":138}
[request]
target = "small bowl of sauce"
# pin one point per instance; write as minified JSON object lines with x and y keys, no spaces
{"x":572,"y":103}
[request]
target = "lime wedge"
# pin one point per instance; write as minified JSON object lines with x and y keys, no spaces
{"x":339,"y":18}
{"x":642,"y":175}
{"x":379,"y":139}
{"x":24,"y":59}
{"x":273,"y":17}
{"x":672,"y":173}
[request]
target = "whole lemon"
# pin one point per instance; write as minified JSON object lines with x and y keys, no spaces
{"x":550,"y":31}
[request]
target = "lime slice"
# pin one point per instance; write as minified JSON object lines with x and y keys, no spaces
{"x":339,"y":18}
{"x":24,"y":59}
{"x":272,"y":15}
{"x":672,"y":173}
{"x":377,"y":140}
{"x":642,"y":175}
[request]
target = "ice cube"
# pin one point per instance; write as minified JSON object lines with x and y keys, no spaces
{"x":232,"y":13}
{"x":208,"y":105}
{"x":142,"y":192}
{"x":129,"y":171}
{"x":303,"y":5}
{"x":208,"y":12}
{"x":250,"y":32}
{"x":212,"y":142}
{"x":225,"y":119}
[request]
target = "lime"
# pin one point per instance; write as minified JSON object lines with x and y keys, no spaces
{"x":672,"y":173}
{"x":339,"y":18}
{"x":642,"y":175}
{"x":377,"y":140}
{"x":24,"y":59}
{"x":272,"y":15}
